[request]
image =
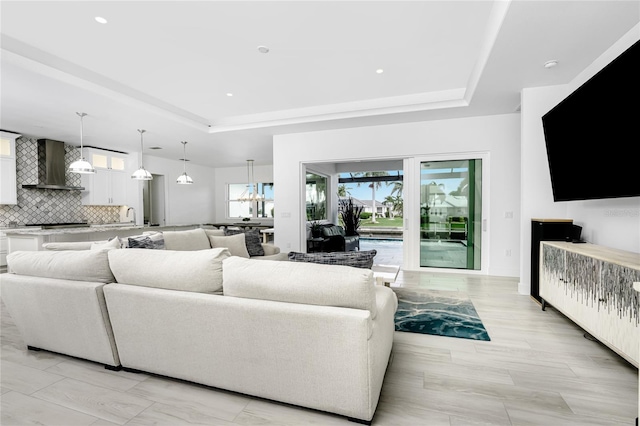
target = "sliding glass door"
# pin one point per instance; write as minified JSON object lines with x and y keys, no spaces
{"x":451,"y":214}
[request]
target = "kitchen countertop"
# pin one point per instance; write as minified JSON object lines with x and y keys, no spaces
{"x":88,"y":230}
{"x":79,"y":230}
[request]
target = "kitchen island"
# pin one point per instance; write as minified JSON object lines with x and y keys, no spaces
{"x":33,"y":239}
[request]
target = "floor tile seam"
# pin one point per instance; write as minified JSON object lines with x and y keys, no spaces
{"x":525,"y":352}
{"x":55,"y":404}
{"x":609,"y":381}
{"x":83,"y":412}
{"x":477,"y":380}
{"x":523,"y":369}
{"x":605,"y":416}
{"x":450,"y":413}
{"x":199,"y":386}
{"x":606,"y":390}
{"x":36,"y":371}
{"x":85,"y":381}
{"x":623,"y":421}
{"x":250,"y":399}
{"x":624,"y":363}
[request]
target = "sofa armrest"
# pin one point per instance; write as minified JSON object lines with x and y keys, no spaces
{"x":68,"y":317}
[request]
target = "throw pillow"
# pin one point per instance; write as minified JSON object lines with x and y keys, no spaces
{"x":153,"y":240}
{"x":357,"y":259}
{"x":235,"y":244}
{"x":113,"y":243}
{"x":140,"y":242}
{"x":251,"y":238}
{"x":193,"y":239}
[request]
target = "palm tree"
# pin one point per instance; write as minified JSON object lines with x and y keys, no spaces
{"x":397,"y":188}
{"x":342,"y":190}
{"x":396,"y":203}
{"x":373,"y":186}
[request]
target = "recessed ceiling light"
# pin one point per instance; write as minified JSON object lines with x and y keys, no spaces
{"x":230,"y":94}
{"x":101,"y":20}
{"x":379,"y":71}
{"x":263,"y":49}
{"x":550,"y":64}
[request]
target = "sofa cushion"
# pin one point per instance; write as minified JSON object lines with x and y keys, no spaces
{"x":332,"y":230}
{"x":357,"y":259}
{"x":194,"y":239}
{"x":235,"y":243}
{"x":252,"y":240}
{"x":305,"y":283}
{"x":75,"y":265}
{"x":199,"y":271}
{"x":113,"y":243}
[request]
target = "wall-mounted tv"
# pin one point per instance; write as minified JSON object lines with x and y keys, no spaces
{"x":593,"y":135}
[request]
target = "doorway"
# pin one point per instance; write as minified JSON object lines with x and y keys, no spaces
{"x":451,"y":214}
{"x":153,"y":196}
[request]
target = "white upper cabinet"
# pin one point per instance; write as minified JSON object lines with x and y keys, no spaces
{"x":8,"y":183}
{"x":108,"y":186}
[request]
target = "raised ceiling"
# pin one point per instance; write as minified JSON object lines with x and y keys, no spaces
{"x":169,"y":67}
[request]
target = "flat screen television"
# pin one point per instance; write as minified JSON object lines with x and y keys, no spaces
{"x":593,"y":135}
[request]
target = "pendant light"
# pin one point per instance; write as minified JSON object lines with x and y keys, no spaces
{"x":141,"y":173}
{"x":184,"y":178}
{"x":81,"y":165}
{"x":251,"y":193}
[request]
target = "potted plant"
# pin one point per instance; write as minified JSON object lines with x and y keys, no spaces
{"x":316,"y":229}
{"x":350,"y":215}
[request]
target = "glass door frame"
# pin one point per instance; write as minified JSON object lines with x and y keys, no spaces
{"x":411,"y":191}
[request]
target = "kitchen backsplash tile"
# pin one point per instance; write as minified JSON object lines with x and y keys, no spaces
{"x":49,"y":205}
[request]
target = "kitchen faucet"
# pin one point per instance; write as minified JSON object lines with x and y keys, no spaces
{"x":134,"y":214}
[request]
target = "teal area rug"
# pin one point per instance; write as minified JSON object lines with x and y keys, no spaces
{"x":443,"y":313}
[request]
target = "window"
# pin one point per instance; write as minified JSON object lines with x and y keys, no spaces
{"x":237,"y":208}
{"x":316,"y":202}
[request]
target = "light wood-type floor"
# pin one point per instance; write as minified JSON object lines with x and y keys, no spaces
{"x":537,"y":370}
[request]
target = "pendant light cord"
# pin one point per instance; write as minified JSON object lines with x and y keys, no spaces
{"x":141,"y":147}
{"x":184,"y":156}
{"x":81,"y":114}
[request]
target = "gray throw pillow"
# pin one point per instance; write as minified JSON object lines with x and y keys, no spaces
{"x":252,"y":240}
{"x":357,"y":259}
{"x":145,"y":242}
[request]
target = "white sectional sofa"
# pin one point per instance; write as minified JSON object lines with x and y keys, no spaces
{"x":318,"y":336}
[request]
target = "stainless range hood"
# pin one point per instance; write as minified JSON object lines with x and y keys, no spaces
{"x":51,"y":167}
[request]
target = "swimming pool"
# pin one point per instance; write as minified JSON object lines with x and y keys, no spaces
{"x":389,"y":251}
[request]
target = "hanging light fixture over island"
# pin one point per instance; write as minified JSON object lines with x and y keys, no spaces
{"x":81,"y":165}
{"x":141,"y":173}
{"x":184,"y":178}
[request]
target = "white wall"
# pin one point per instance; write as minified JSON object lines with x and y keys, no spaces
{"x":498,"y":135}
{"x":185,"y":204}
{"x":227,"y":175}
{"x":611,"y":222}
